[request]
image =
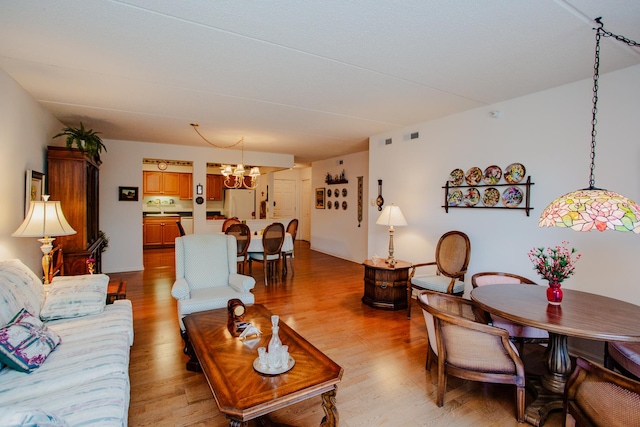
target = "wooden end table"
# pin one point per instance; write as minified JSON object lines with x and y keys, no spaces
{"x":242,"y":393}
{"x":386,"y":287}
{"x":116,"y":289}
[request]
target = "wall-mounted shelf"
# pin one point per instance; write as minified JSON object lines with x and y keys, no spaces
{"x":340,"y":181}
{"x":526,"y":196}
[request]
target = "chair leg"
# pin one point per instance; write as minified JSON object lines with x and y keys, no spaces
{"x":442,"y":384}
{"x":520,"y":395}
{"x":250,"y":267}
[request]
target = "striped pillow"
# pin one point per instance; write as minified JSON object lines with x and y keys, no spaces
{"x":75,"y":296}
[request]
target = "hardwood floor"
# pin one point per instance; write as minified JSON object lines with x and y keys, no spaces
{"x":382,"y":353}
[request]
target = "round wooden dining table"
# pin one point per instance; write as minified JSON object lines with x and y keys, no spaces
{"x":581,"y":314}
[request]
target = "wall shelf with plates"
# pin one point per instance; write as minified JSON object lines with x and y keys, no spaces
{"x":515,"y":195}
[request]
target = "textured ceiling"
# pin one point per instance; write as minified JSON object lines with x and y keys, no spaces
{"x":313,"y":79}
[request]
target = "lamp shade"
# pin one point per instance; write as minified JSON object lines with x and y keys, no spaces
{"x":44,"y":219}
{"x":391,"y":216}
{"x":592,"y":209}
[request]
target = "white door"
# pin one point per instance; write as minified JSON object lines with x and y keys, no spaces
{"x":305,"y":221}
{"x":284,"y":196}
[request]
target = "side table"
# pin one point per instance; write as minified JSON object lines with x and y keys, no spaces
{"x":385,"y":287}
{"x":116,"y":289}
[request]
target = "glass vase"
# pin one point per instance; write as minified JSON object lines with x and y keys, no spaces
{"x":554,"y":293}
{"x":274,"y":344}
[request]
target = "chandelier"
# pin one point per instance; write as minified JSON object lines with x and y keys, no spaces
{"x":235,"y":177}
{"x":594,"y":208}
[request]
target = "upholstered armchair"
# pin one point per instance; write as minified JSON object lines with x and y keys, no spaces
{"x":206,"y":275}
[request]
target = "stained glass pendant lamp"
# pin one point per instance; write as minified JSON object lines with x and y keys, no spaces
{"x":594,"y":208}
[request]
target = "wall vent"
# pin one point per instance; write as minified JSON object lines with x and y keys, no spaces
{"x":388,"y":141}
{"x":415,"y":135}
{"x":339,"y":162}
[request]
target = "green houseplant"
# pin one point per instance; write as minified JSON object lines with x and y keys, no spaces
{"x":86,"y":140}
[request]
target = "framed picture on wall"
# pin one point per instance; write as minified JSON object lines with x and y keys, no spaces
{"x":129,"y":194}
{"x":320,"y":198}
{"x":34,"y":188}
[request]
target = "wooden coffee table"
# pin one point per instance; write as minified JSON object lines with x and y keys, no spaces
{"x":242,"y":393}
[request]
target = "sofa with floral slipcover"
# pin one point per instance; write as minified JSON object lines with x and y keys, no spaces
{"x":64,"y":353}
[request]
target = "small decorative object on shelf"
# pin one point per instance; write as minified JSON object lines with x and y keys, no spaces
{"x":336,"y":179}
{"x":91,"y":265}
{"x":554,"y":265}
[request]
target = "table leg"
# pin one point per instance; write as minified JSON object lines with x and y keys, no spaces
{"x":237,"y":423}
{"x":548,"y":390}
{"x":329,"y":405}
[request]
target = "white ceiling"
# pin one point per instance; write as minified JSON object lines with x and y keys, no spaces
{"x":309,"y":78}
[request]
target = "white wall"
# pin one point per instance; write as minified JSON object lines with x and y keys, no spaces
{"x":25,"y":131}
{"x":337,"y":232}
{"x":122,"y":166}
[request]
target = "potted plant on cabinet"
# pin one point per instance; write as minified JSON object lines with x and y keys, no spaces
{"x":86,"y":140}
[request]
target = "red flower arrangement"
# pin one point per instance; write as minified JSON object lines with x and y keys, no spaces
{"x":556,"y":264}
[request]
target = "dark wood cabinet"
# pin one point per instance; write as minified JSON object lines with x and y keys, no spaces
{"x":73,"y":179}
{"x":386,"y":287}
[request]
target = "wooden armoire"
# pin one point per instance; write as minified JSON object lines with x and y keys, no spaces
{"x":73,"y":179}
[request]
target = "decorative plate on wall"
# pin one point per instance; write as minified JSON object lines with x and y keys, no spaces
{"x":344,"y":192}
{"x":329,"y":192}
{"x":344,"y":205}
{"x":329,"y":204}
{"x":336,"y":204}
{"x":492,"y":175}
{"x":472,"y":197}
{"x":490,"y":197}
{"x":455,"y":198}
{"x":512,"y":197}
{"x":474,"y":176}
{"x":456,"y":177}
{"x":514,"y":173}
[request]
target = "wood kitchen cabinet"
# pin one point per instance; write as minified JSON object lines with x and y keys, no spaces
{"x":186,"y":186}
{"x":161,"y":183}
{"x":73,"y":179}
{"x":215,"y":185}
{"x":160,"y":231}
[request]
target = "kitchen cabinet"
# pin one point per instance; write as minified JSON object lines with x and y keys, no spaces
{"x":73,"y":179}
{"x":215,"y":185}
{"x":160,"y":231}
{"x":161,"y":183}
{"x":186,"y":186}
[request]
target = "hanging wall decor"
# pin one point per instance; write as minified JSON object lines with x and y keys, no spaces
{"x":360,"y":189}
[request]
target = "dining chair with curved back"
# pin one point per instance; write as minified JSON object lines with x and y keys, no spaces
{"x":228,"y":222}
{"x":623,"y":356}
{"x":467,"y":348}
{"x":242,"y":233}
{"x":271,"y":257}
{"x":521,"y":334}
{"x":180,"y":228}
{"x":596,"y":396}
{"x":292,"y":228}
{"x":452,"y":259}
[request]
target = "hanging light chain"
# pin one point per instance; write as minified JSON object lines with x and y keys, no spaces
{"x":600,"y":32}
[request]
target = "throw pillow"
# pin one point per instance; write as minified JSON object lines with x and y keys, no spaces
{"x":25,"y":342}
{"x":75,"y":296}
{"x":23,"y":417}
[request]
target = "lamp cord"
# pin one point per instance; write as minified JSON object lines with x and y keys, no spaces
{"x":195,"y":127}
{"x":600,"y":32}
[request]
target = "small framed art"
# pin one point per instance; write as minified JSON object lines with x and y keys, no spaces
{"x":34,"y":189}
{"x":129,"y":194}
{"x":320,"y":198}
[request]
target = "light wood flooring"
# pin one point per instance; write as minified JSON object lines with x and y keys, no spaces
{"x":382,"y":353}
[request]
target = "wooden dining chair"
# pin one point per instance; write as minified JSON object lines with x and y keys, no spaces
{"x":242,"y":233}
{"x":227,"y":223}
{"x":521,"y":334}
{"x":292,"y":228}
{"x":598,"y":397}
{"x":452,"y":258}
{"x":180,"y":228}
{"x":467,"y":348}
{"x":271,"y":257}
{"x":624,"y":357}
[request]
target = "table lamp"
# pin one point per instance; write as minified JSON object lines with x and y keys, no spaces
{"x":44,"y":219}
{"x":391,"y":216}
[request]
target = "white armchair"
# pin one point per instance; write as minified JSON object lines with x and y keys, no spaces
{"x":206,"y":275}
